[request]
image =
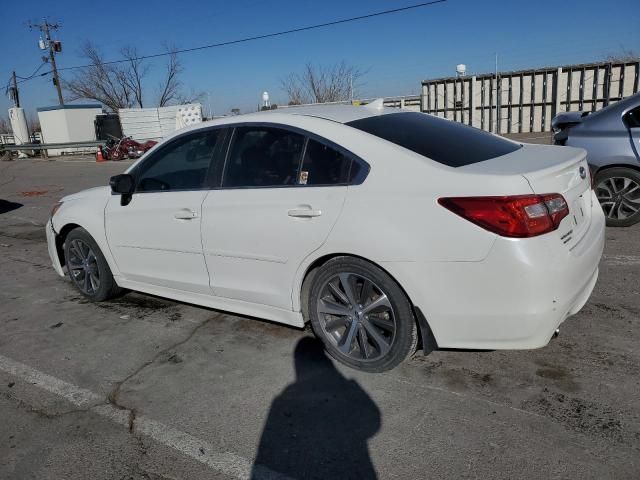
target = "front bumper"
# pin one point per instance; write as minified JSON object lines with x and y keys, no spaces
{"x":53,"y":249}
{"x":514,"y":299}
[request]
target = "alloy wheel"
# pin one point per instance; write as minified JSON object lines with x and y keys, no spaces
{"x":83,"y":267}
{"x":619,"y":197}
{"x":356,"y":316}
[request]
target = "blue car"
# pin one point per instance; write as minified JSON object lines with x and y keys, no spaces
{"x":611,"y":137}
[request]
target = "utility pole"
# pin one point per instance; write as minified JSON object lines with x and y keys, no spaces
{"x":15,"y":96}
{"x":209,"y":105}
{"x":53,"y":47}
{"x":351,"y":87}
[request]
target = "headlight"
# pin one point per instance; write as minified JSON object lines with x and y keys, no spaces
{"x":55,"y":208}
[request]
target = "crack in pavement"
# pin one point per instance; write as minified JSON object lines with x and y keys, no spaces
{"x":29,"y":262}
{"x":43,"y":412}
{"x":112,"y":396}
{"x":225,"y":462}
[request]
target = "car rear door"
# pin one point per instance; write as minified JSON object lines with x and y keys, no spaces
{"x":155,"y":237}
{"x":280,"y":196}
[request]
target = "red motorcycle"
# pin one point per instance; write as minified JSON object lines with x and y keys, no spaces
{"x":125,"y":147}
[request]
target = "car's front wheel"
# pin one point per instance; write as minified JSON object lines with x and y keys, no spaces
{"x":87,"y":267}
{"x":618,"y":191}
{"x":361,"y":315}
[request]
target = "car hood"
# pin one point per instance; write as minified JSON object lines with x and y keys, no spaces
{"x":94,"y":192}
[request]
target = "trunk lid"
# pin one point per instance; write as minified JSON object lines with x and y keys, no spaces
{"x":549,"y":169}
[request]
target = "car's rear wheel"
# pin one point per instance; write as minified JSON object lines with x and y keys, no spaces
{"x":87,"y":267}
{"x":618,"y":191}
{"x":361,"y":315}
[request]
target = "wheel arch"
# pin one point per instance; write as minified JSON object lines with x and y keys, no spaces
{"x":70,"y":225}
{"x":427,"y":341}
{"x":609,"y":166}
{"x":60,"y":239}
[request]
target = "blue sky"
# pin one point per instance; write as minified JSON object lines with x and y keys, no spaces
{"x":398,"y":50}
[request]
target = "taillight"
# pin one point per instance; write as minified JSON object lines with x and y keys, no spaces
{"x":518,"y":216}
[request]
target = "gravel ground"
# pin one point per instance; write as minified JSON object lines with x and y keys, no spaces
{"x":142,"y":387}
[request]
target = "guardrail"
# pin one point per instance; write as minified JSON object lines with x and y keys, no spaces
{"x":48,"y":146}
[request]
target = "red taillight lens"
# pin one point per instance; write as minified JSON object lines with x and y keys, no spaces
{"x":518,"y":216}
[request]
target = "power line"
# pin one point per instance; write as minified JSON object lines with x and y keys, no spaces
{"x":26,"y":79}
{"x":34,"y":72}
{"x":267,"y":35}
{"x":241,"y":40}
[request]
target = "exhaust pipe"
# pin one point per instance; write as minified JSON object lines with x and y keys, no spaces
{"x":556,"y":333}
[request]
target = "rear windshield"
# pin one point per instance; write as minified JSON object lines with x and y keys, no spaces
{"x":444,"y":141}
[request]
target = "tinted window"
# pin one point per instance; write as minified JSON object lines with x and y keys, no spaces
{"x":263,"y":157}
{"x":444,"y":141}
{"x":181,"y":165}
{"x":324,"y":165}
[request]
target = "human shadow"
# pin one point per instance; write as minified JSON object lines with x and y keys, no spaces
{"x":319,"y":425}
{"x":7,"y":206}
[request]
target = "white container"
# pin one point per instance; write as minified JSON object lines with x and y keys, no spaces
{"x":19,"y":127}
{"x":68,"y":123}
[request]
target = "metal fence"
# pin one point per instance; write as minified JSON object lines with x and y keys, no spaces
{"x":9,"y":139}
{"x":526,"y":101}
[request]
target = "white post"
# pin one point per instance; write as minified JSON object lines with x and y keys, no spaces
{"x":472,"y":101}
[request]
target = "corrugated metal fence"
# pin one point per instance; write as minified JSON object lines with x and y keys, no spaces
{"x":527,"y":100}
{"x":153,"y":123}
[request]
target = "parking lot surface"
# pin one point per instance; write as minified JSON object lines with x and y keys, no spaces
{"x":147,"y":388}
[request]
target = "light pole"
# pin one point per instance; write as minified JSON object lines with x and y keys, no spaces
{"x":209,"y":105}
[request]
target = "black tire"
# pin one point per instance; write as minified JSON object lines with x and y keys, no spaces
{"x":618,"y":205}
{"x":93,"y":277}
{"x":401,"y":343}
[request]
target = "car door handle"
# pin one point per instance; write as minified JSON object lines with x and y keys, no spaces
{"x":185,"y":214}
{"x":304,"y":212}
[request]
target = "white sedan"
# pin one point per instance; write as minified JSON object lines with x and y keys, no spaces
{"x":383,"y":228}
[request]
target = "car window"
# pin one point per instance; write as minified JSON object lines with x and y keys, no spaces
{"x":181,"y":165}
{"x":263,"y":157}
{"x":323,"y":165}
{"x":443,"y":141}
{"x":632,"y":118}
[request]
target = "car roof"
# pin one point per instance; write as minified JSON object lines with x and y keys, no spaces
{"x":337,"y":113}
{"x":614,"y":111}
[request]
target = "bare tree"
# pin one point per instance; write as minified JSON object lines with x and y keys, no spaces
{"x":123,"y":85}
{"x":322,"y":84}
{"x":169,"y":88}
{"x":625,"y":55}
{"x":33,"y":123}
{"x":293,"y":85}
{"x":5,"y":126}
{"x":133,"y":74}
{"x":190,"y":97}
{"x":99,"y":81}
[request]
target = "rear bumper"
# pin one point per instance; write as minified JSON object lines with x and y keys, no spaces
{"x":53,"y":251}
{"x":515,"y":298}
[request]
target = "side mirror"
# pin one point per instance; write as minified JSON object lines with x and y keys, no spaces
{"x":122,"y":184}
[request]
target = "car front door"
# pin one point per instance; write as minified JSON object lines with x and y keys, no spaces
{"x":632,"y":121}
{"x":155,"y":237}
{"x":280,"y":196}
